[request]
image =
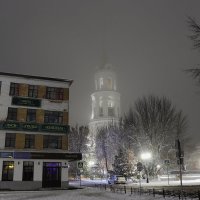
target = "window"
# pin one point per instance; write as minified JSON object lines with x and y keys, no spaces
{"x":14,"y":89}
{"x":52,"y":142}
{"x":111,"y":112}
{"x":31,"y":115}
{"x":7,"y":171}
{"x":28,"y":167}
{"x":29,"y":141}
{"x":100,"y":111}
{"x":101,"y":83}
{"x":32,"y":91}
{"x":12,"y":114}
{"x":53,"y":117}
{"x":0,"y":86}
{"x":109,"y":83}
{"x":10,"y":140}
{"x":55,"y":93}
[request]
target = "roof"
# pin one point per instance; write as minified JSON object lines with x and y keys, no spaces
{"x":37,"y":77}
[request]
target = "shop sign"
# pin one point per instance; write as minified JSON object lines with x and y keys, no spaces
{"x":54,"y":128}
{"x":20,"y":101}
{"x":23,"y":126}
{"x":11,"y":125}
{"x":30,"y":127}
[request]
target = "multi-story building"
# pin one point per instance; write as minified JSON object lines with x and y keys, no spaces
{"x":34,"y":132}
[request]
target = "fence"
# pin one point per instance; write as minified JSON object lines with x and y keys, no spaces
{"x":176,"y":194}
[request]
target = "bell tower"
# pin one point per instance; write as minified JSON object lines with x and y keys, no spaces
{"x":105,"y":99}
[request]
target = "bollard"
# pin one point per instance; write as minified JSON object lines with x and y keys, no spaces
{"x":153,"y":192}
{"x":131,"y":190}
{"x":125,"y":189}
{"x":163,"y":192}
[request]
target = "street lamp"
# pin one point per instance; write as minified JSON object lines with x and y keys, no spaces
{"x":146,"y":156}
{"x":91,"y":163}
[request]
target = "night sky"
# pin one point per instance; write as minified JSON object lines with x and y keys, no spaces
{"x":146,"y":41}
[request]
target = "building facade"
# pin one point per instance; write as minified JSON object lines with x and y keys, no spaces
{"x":105,"y":99}
{"x":105,"y":105}
{"x":34,"y":132}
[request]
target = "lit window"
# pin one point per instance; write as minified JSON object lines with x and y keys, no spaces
{"x":32,"y":91}
{"x":7,"y":171}
{"x":14,"y":89}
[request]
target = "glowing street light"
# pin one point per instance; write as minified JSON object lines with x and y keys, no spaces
{"x":146,"y":156}
{"x":91,"y":163}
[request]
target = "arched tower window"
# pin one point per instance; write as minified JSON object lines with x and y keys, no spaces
{"x":111,"y":110}
{"x":101,"y":83}
{"x":109,"y":84}
{"x":101,"y":107}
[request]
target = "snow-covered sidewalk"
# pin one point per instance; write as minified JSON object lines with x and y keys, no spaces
{"x":76,"y":194}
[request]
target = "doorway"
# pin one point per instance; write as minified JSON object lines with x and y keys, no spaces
{"x":51,"y":174}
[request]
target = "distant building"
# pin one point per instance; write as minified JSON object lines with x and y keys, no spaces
{"x":105,"y":99}
{"x":105,"y":106}
{"x":33,"y":132}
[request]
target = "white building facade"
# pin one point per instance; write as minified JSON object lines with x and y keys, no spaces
{"x":105,"y":100}
{"x":34,"y":132}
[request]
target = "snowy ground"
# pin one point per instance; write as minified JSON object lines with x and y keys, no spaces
{"x":87,"y":193}
{"x":78,"y":194}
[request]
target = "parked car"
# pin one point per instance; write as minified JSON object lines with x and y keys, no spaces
{"x":116,"y":179}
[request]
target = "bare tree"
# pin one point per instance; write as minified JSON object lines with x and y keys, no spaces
{"x":78,"y":140}
{"x":154,"y":124}
{"x":106,"y":146}
{"x":195,"y":37}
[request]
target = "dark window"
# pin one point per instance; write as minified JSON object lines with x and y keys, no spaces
{"x":52,"y":142}
{"x":53,"y":117}
{"x":31,"y":115}
{"x":12,"y":114}
{"x":28,"y":167}
{"x":7,"y":171}
{"x":32,"y":90}
{"x":55,"y":93}
{"x":14,"y":89}
{"x":10,"y":140}
{"x":0,"y":86}
{"x":100,"y":111}
{"x":111,"y":112}
{"x":29,"y":141}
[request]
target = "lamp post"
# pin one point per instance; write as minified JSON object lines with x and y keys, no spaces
{"x":146,"y":156}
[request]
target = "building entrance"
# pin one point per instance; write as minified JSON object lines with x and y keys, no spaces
{"x":51,"y":174}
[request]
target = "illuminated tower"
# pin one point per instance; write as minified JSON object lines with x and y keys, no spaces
{"x":105,"y":99}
